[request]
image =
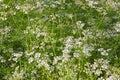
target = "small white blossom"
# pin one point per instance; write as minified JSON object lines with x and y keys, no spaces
{"x":111,"y":78}
{"x":98,"y":72}
{"x":56,"y":59}
{"x":117,"y":27}
{"x":80,"y":25}
{"x":76,"y":55}
{"x":31,"y":59}
{"x":17,"y":7}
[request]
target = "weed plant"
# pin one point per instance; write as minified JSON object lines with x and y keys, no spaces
{"x":59,"y":39}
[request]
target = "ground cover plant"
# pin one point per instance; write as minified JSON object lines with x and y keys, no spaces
{"x":59,"y":39}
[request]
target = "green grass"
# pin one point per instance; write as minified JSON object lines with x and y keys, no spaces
{"x":57,"y":40}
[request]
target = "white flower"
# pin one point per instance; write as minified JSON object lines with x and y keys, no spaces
{"x":56,"y":59}
{"x":76,"y":55}
{"x":17,"y":74}
{"x":101,"y":78}
{"x":91,"y":3}
{"x":111,"y":78}
{"x":6,"y":30}
{"x":104,"y":66}
{"x":40,"y":34}
{"x":117,"y":27}
{"x":45,"y":64}
{"x":98,"y":72}
{"x":87,"y":49}
{"x":95,"y":66}
{"x":28,"y":54}
{"x":66,"y":51}
{"x":112,"y":4}
{"x":78,"y":42}
{"x":69,"y":40}
{"x":53,"y":5}
{"x":65,"y":57}
{"x":31,"y":59}
{"x":17,"y":54}
{"x":104,"y":53}
{"x":70,"y":16}
{"x":37,"y":55}
{"x":80,"y":25}
{"x":100,"y":49}
{"x":2,"y":59}
{"x":17,"y":7}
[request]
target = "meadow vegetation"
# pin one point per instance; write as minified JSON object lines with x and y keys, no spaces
{"x":59,"y":39}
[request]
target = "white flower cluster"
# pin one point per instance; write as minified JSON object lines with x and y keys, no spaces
{"x":2,"y":59}
{"x":91,"y":3}
{"x":16,"y":56}
{"x":98,"y":67}
{"x":5,"y":30}
{"x":61,"y":40}
{"x":104,"y":52}
{"x":80,"y":24}
{"x":68,"y":47}
{"x":27,"y":7}
{"x":117,"y":27}
{"x":113,"y":4}
{"x":17,"y":74}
